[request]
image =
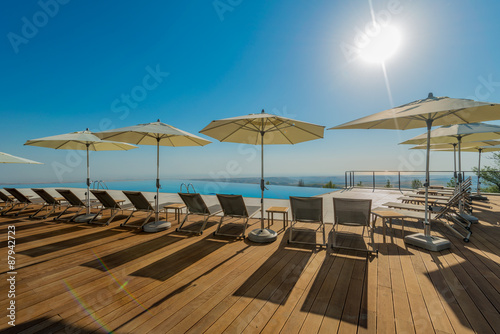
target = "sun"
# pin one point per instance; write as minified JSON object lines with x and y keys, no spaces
{"x":381,"y":46}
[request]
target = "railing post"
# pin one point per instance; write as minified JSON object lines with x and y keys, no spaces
{"x":399,"y":181}
{"x":373,"y":181}
{"x":353,"y":182}
{"x":345,"y":178}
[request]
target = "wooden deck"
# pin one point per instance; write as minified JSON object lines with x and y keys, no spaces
{"x":77,"y":278}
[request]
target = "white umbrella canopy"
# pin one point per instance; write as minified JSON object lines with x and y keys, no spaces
{"x":83,"y":141}
{"x":459,"y":133}
{"x":152,"y":133}
{"x":427,"y":112}
{"x":466,"y":147}
{"x":80,"y":140}
{"x":278,"y":130}
{"x":263,"y":129}
{"x":416,"y":114}
{"x":155,"y":133}
{"x":6,"y":158}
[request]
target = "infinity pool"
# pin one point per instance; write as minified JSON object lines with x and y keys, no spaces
{"x":203,"y":187}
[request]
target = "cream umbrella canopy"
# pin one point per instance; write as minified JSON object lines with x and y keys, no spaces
{"x":453,"y":147}
{"x":262,"y":129}
{"x":459,"y":133}
{"x":159,"y":134}
{"x":12,"y":159}
{"x":427,"y":112}
{"x":81,"y":140}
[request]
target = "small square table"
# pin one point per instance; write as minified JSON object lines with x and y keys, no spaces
{"x":177,"y":207}
{"x":387,"y":215}
{"x":277,"y":209}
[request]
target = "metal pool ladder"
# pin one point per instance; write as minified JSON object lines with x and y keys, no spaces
{"x":99,"y":184}
{"x":187,"y":187}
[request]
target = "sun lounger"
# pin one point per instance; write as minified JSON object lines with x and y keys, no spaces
{"x":435,"y":192}
{"x":22,"y":201}
{"x":7,"y":201}
{"x":73,"y":202}
{"x":140,"y":203}
{"x":196,"y":206}
{"x":352,"y":212}
{"x":107,"y":203}
{"x":307,"y":210}
{"x":415,"y":207}
{"x":233,"y":206}
{"x":49,"y":201}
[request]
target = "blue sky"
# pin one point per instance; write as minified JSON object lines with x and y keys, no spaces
{"x":73,"y":69}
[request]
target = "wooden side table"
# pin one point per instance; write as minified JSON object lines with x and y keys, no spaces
{"x":177,"y":207}
{"x":387,"y":215}
{"x":277,"y":209}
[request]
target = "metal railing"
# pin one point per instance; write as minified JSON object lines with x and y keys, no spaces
{"x":99,"y":184}
{"x":351,"y":177}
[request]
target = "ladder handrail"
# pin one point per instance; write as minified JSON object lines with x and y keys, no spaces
{"x":190,"y":184}
{"x":99,"y":183}
{"x":187,"y":187}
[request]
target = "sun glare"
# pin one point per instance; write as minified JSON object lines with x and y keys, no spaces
{"x":381,"y":46}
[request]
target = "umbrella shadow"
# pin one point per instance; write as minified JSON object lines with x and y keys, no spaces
{"x":69,"y":243}
{"x":44,"y":235}
{"x":173,"y":264}
{"x":132,"y":253}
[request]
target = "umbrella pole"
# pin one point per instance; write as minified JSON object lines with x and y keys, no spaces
{"x":479,"y":172}
{"x":88,"y":181}
{"x":427,"y":226}
{"x":455,"y":164}
{"x":262,"y":187}
{"x":425,"y":240}
{"x":157,"y":199}
{"x":460,"y":203}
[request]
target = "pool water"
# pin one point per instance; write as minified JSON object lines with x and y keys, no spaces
{"x":203,"y":187}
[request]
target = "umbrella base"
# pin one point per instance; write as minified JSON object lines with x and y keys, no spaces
{"x":86,"y":218}
{"x":434,"y":244}
{"x":156,"y":226}
{"x":262,"y":235}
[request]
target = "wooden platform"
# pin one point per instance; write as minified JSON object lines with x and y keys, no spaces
{"x":77,"y":278}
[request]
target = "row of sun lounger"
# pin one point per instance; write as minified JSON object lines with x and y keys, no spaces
{"x":306,"y":210}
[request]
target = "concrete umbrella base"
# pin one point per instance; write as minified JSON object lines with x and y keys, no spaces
{"x":262,"y":235}
{"x":434,"y":244}
{"x":156,"y":226}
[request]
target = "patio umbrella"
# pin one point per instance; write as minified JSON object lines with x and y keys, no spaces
{"x":427,"y":113}
{"x":159,"y":134}
{"x":453,"y":147}
{"x":459,"y":133}
{"x":12,"y":159}
{"x":80,"y":140}
{"x":262,"y":129}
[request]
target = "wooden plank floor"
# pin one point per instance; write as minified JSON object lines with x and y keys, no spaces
{"x":78,"y":278}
